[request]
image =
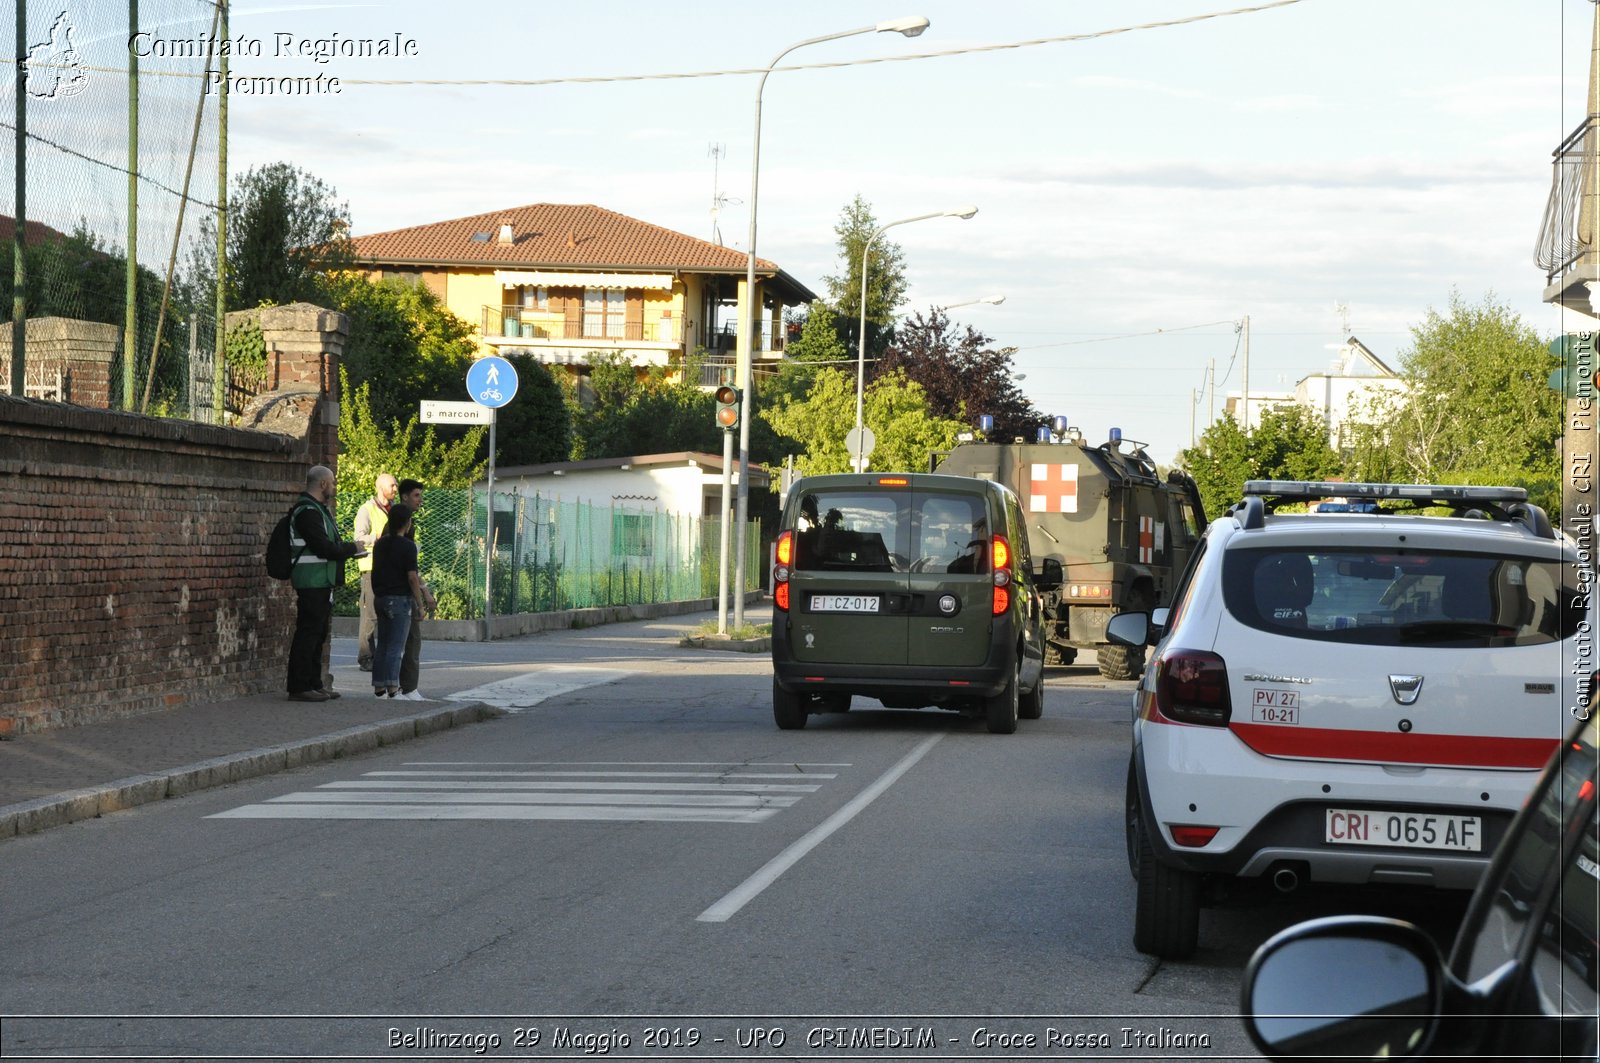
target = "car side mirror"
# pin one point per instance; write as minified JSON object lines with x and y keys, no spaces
{"x":1129,"y":629}
{"x":1050,"y":576}
{"x":1348,"y":986}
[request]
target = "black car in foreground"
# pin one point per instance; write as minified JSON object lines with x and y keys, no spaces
{"x":1520,"y":981}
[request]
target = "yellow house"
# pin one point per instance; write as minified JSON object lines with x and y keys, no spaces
{"x":558,"y":281}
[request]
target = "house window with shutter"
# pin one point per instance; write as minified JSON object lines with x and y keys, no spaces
{"x":605,"y":313}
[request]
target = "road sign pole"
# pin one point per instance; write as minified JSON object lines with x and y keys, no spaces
{"x":726,"y":521}
{"x":488,"y":534}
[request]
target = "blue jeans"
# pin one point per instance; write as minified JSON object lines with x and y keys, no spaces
{"x":394,"y":623}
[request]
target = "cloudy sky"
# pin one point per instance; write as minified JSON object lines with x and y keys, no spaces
{"x":1270,"y":163}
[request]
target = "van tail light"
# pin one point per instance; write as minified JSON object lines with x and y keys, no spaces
{"x":1000,"y":564}
{"x":1192,"y":687}
{"x":780,"y":573}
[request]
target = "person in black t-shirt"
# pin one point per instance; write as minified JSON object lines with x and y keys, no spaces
{"x":396,"y":596}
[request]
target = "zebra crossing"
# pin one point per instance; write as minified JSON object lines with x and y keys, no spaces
{"x":611,"y":792}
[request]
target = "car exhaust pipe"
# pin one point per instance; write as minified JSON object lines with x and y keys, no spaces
{"x":1285,"y":880}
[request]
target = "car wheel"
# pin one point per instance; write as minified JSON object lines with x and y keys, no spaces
{"x":1001,"y":710}
{"x":788,"y":711}
{"x":1031,"y":705}
{"x":1131,"y":823}
{"x":1166,"y":913}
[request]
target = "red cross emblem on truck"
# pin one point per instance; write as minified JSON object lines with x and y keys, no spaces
{"x":1147,"y":540}
{"x":1053,"y":489}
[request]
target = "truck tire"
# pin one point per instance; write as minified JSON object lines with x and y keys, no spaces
{"x":1123,"y":662}
{"x":1057,"y":654}
{"x":1119,"y":662}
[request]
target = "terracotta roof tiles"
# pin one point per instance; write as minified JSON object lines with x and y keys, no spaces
{"x":570,"y":236}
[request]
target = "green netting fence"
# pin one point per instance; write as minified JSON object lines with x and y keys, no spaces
{"x":551,"y":555}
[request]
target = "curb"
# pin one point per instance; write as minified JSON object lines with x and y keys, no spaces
{"x":57,"y":810}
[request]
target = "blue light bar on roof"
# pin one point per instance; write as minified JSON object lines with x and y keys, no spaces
{"x":1308,"y":489}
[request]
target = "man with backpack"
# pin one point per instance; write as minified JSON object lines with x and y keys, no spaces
{"x":319,"y":559}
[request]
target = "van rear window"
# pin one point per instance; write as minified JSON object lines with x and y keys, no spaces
{"x":1401,"y":597}
{"x":891,"y":531}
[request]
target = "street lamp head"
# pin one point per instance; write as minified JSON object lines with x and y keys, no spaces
{"x":993,"y":300}
{"x":910,"y":26}
{"x":961,"y":212}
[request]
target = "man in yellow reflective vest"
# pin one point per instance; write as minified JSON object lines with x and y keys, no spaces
{"x":370,"y":520}
{"x":319,"y":559}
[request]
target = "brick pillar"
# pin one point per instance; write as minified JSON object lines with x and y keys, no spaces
{"x":68,"y":360}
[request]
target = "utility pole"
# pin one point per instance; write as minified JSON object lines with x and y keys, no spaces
{"x":130,"y":311}
{"x":219,"y":349}
{"x":1194,"y":400}
{"x":19,"y":267}
{"x":1211,"y":377}
{"x":1244,"y":415}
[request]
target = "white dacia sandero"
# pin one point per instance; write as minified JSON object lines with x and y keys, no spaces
{"x":1355,"y":693}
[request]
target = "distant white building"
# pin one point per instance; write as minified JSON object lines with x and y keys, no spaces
{"x":684,"y":482}
{"x":1338,"y":396}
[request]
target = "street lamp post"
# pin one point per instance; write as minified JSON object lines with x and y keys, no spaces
{"x":910,"y":26}
{"x":861,"y":334}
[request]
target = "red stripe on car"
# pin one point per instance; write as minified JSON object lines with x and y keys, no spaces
{"x":1382,"y":747}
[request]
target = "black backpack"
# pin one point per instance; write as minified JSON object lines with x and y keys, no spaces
{"x":281,"y":557}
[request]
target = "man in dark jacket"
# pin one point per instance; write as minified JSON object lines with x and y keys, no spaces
{"x":319,"y":559}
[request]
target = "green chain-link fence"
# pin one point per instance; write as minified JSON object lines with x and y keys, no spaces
{"x":551,"y":555}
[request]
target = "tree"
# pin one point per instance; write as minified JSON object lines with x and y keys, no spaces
{"x":404,"y":343}
{"x":1290,"y":443}
{"x":819,"y":337}
{"x":534,"y":427}
{"x":368,"y":447}
{"x":962,"y":375}
{"x":894,"y":407}
{"x":286,"y":230}
{"x":886,"y":276}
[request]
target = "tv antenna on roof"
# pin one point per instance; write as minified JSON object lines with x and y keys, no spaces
{"x":1343,"y":310}
{"x":718,"y":198}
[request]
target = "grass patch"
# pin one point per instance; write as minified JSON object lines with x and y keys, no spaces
{"x":708,"y":629}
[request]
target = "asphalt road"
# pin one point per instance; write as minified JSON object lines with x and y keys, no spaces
{"x":635,"y":853}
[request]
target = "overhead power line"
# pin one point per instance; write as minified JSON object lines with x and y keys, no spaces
{"x":610,"y":78}
{"x":1124,"y":336}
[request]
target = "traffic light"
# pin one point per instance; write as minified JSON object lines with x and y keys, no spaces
{"x":727,"y":407}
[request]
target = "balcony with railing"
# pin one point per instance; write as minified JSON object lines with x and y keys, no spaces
{"x":1568,"y":249}
{"x":725,"y":340}
{"x":522,"y":323}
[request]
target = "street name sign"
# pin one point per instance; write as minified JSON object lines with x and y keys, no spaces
{"x":437,"y":412}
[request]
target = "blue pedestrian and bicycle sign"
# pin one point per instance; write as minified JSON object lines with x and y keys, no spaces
{"x":492,"y":381}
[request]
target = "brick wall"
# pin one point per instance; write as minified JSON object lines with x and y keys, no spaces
{"x":131,"y":575}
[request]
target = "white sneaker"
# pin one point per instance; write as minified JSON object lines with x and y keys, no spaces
{"x":415,"y":695}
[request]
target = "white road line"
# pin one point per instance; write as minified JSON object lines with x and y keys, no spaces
{"x":612,"y":774}
{"x":446,"y":797}
{"x":751,"y":887}
{"x":510,"y":812}
{"x":529,"y":689}
{"x":799,"y":767}
{"x":404,"y":784}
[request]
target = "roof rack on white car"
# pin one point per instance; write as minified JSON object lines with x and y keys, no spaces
{"x":1262,"y":497}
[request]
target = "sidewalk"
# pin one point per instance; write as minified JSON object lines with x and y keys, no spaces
{"x":57,"y":777}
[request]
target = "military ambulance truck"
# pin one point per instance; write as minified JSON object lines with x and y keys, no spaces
{"x":1122,"y":533}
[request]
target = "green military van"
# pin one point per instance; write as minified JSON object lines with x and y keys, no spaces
{"x":912,"y":588}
